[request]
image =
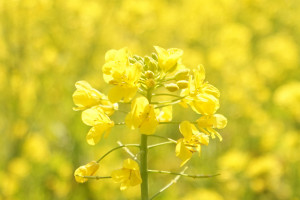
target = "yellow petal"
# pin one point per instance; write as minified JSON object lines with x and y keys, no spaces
{"x":120,"y":175}
{"x":96,"y":133}
{"x":182,"y":152}
{"x":212,"y":121}
{"x":187,"y":129}
{"x":115,"y":94}
{"x":134,"y":118}
{"x":130,"y":164}
{"x":86,"y":170}
{"x":94,"y":116}
{"x":118,"y":92}
{"x":167,"y":59}
{"x":135,"y":178}
{"x":165,"y":114}
{"x":149,"y":121}
{"x":205,"y":104}
{"x":85,"y":96}
{"x":199,"y":76}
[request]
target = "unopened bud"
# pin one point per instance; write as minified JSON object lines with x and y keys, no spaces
{"x":147,"y":60}
{"x":172,"y":87}
{"x":150,"y":83}
{"x":132,"y":60}
{"x":149,"y":74}
{"x":182,"y":74}
{"x":182,"y":84}
{"x":138,"y":58}
{"x":154,"y":56}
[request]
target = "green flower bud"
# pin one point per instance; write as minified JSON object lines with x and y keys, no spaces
{"x":149,"y":74}
{"x":132,"y":60}
{"x":172,"y":87}
{"x":150,"y":83}
{"x":182,"y":84}
{"x":154,"y":56}
{"x":182,"y":74}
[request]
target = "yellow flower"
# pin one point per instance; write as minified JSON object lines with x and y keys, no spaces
{"x":209,"y":122}
{"x":192,"y":141}
{"x":118,"y":71}
{"x":167,"y":59}
{"x":85,"y":170}
{"x":165,"y":115}
{"x":129,"y":175}
{"x":85,"y":97}
{"x":100,"y":122}
{"x":142,"y":116}
{"x":201,"y":96}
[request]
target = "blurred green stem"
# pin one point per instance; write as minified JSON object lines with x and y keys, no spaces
{"x":144,"y":157}
{"x":122,"y":146}
{"x":159,"y":144}
{"x":144,"y":167}
{"x":173,"y":181}
{"x":182,"y":174}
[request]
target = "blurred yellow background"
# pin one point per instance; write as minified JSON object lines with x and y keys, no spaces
{"x":250,"y":49}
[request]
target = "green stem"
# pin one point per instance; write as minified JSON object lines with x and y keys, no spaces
{"x":134,"y":157}
{"x":182,"y":174}
{"x":144,"y":167}
{"x":95,"y":177}
{"x":166,"y":138}
{"x":174,"y":122}
{"x":166,"y":94}
{"x":125,"y":145}
{"x":144,"y":157}
{"x":173,"y":181}
{"x":159,"y":144}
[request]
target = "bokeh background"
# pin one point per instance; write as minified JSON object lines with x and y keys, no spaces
{"x":250,"y":49}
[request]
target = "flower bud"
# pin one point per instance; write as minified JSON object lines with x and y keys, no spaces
{"x":150,"y":83}
{"x":85,"y":170}
{"x":182,"y":84}
{"x":182,"y":74}
{"x":172,"y":87}
{"x":131,"y":60}
{"x":149,"y":74}
{"x":154,"y":56}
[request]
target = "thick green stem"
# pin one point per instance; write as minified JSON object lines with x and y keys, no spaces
{"x":144,"y":158}
{"x":144,"y":167}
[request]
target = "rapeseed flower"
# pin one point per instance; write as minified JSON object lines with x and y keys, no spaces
{"x":129,"y":175}
{"x":209,"y":122}
{"x":192,"y":141}
{"x":167,"y":59}
{"x":118,"y":71}
{"x":100,"y":122}
{"x":142,"y":116}
{"x":201,"y":96}
{"x":86,"y":96}
{"x":85,"y":170}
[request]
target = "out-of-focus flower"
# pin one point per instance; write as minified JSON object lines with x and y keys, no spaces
{"x":100,"y":122}
{"x":85,"y":170}
{"x":288,"y":96}
{"x":167,"y":59}
{"x":192,"y":141}
{"x":86,"y":96}
{"x":142,"y":116}
{"x":209,"y":122}
{"x":129,"y":175}
{"x":118,"y":71}
{"x":201,"y":96}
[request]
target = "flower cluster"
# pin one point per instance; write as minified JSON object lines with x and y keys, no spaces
{"x":141,"y":81}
